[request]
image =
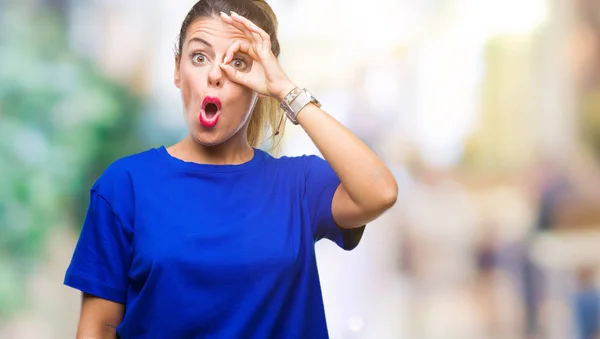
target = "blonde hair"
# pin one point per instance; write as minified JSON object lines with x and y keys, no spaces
{"x":267,"y":118}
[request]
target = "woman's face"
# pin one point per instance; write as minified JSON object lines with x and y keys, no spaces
{"x":215,"y":108}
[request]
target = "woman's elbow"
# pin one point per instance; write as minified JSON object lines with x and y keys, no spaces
{"x":387,"y":196}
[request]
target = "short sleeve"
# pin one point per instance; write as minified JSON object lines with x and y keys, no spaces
{"x":102,"y":256}
{"x":321,"y":184}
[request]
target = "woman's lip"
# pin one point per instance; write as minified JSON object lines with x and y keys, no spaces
{"x":208,"y":122}
{"x":211,"y":100}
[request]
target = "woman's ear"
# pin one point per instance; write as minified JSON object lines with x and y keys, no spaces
{"x":177,"y":78}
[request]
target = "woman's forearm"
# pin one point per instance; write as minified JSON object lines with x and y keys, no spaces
{"x":367,"y":180}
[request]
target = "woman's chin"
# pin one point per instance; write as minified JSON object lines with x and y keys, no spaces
{"x":212,"y":137}
{"x":208,"y":140}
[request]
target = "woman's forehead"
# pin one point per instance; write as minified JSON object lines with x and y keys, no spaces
{"x":214,"y":31}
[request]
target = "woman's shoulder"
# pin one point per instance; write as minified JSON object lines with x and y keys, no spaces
{"x":134,"y":161}
{"x":118,"y":175}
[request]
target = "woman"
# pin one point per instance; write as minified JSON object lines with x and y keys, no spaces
{"x":211,"y":237}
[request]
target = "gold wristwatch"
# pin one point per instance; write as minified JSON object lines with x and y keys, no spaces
{"x":295,"y":101}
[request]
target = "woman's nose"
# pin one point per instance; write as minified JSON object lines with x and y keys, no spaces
{"x":215,"y":76}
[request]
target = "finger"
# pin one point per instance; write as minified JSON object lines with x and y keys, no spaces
{"x":253,"y":37}
{"x":253,"y":79}
{"x":239,"y":46}
{"x":250,"y":26}
{"x":236,"y":76}
{"x":259,"y":37}
{"x":263,"y":46}
{"x":258,"y":41}
{"x":225,"y":17}
{"x":247,"y":32}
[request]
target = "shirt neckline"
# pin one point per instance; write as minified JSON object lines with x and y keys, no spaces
{"x":209,"y":168}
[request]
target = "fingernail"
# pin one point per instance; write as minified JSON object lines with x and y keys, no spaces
{"x":234,"y":13}
{"x":225,"y":61}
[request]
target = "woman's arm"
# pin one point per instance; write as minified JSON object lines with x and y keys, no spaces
{"x":99,"y":318}
{"x":368,"y":187}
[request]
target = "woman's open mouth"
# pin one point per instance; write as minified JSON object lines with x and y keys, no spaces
{"x":210,"y":112}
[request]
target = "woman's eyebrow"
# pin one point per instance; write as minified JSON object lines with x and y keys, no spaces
{"x":200,"y":40}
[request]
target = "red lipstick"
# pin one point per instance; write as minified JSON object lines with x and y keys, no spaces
{"x":210,"y":112}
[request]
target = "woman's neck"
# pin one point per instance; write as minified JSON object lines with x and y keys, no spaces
{"x":234,"y":151}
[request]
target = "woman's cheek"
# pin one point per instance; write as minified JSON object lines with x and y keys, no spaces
{"x":194,"y":90}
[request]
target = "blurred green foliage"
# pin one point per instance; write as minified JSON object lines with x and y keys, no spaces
{"x":61,"y":123}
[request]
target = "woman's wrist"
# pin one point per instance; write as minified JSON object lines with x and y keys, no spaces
{"x":286,"y":88}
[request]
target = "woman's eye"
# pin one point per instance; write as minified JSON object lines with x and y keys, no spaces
{"x":199,"y":58}
{"x":239,"y":64}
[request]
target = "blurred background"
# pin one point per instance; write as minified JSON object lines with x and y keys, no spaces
{"x":488,"y":112}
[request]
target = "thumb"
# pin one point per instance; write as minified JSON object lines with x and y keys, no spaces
{"x":235,"y":76}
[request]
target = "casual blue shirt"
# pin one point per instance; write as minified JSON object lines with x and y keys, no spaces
{"x":210,"y":251}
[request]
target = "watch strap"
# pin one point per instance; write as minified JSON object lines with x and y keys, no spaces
{"x":295,"y":101}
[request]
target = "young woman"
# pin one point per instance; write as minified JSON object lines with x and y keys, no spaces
{"x":212,"y":237}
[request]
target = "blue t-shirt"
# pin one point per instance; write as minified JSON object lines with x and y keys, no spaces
{"x":210,"y":251}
